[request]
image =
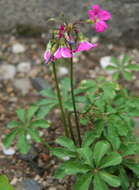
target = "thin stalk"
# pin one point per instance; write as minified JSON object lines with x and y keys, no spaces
{"x":70,"y":128}
{"x":60,"y":100}
{"x":73,"y":100}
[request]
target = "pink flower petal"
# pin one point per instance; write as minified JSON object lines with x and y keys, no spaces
{"x":100,"y":26}
{"x":96,"y":9}
{"x":84,"y":46}
{"x":58,"y":53}
{"x":104,"y":15}
{"x":47,"y":56}
{"x":66,"y":52}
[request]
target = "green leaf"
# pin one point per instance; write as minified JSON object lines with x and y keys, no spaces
{"x":110,"y":179}
{"x":134,"y":167}
{"x":124,"y":179}
{"x":114,"y":60}
{"x":87,"y":154}
{"x":100,"y":149}
{"x":13,"y":124}
{"x":47,"y":102}
{"x":65,"y":85}
{"x":41,"y":114}
{"x":126,"y":59}
{"x":48,"y":93}
{"x":31,"y":111}
{"x":40,"y":123}
{"x":116,"y":76}
{"x":112,"y":159}
{"x":34,"y":134}
{"x":22,"y":143}
{"x":83,"y":182}
{"x":66,"y":142}
{"x":9,"y":138}
{"x":111,"y":67}
{"x":4,"y":183}
{"x":21,"y":114}
{"x":74,"y":167}
{"x":99,"y":184}
{"x":127,"y":75}
{"x":133,"y":67}
{"x":59,"y":173}
{"x":63,"y":153}
{"x":89,"y":138}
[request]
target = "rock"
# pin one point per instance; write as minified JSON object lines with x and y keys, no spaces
{"x":24,"y":67}
{"x":39,"y":83}
{"x":25,"y":15}
{"x":29,"y":184}
{"x":52,"y":188}
{"x":31,"y":155}
{"x":106,"y":61}
{"x":8,"y":151}
{"x":18,"y":48}
{"x":23,"y":85}
{"x":62,"y":71}
{"x":7,"y":71}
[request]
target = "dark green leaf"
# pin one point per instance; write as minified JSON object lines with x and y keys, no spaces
{"x":100,"y":149}
{"x":66,"y":142}
{"x":87,"y":154}
{"x":13,"y":124}
{"x":112,"y":159}
{"x":34,"y":134}
{"x":21,"y":114}
{"x":40,"y":123}
{"x":99,"y":184}
{"x":124,"y":179}
{"x":63,"y":153}
{"x":31,"y":111}
{"x":83,"y":182}
{"x":9,"y":138}
{"x":112,"y":180}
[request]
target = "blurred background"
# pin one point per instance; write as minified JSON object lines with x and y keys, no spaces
{"x":24,"y":33}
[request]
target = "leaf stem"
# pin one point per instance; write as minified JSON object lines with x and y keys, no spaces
{"x":60,"y":100}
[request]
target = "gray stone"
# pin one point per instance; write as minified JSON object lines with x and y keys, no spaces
{"x":123,"y":26}
{"x":7,"y":71}
{"x":18,"y":48}
{"x":39,"y":83}
{"x":23,"y":85}
{"x":24,"y":67}
{"x":29,"y":184}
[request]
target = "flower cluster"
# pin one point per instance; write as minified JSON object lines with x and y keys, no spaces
{"x":67,"y":41}
{"x":99,"y":18}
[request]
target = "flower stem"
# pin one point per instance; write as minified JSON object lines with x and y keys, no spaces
{"x":60,"y":100}
{"x":73,"y":100}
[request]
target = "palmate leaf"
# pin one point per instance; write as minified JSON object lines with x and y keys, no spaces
{"x":13,"y":124}
{"x":34,"y":134}
{"x":132,"y":67}
{"x":21,"y":114}
{"x":87,"y":154}
{"x":39,"y":124}
{"x":44,"y":110}
{"x":133,"y":167}
{"x":9,"y":138}
{"x":31,"y":111}
{"x":124,"y":179}
{"x":83,"y":182}
{"x":89,"y":138}
{"x":4,"y":183}
{"x":72,"y":167}
{"x":111,"y":159}
{"x":110,"y":179}
{"x":127,"y":75}
{"x":48,"y":93}
{"x":99,"y":184}
{"x":63,"y":153}
{"x":22,"y":144}
{"x":66,"y":142}
{"x":100,"y":149}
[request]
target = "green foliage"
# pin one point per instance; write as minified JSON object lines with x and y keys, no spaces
{"x":4,"y":183}
{"x":27,"y":124}
{"x":122,"y":67}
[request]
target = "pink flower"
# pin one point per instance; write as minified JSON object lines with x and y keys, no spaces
{"x":99,"y":16}
{"x":84,"y":46}
{"x":63,"y":52}
{"x":48,"y":57}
